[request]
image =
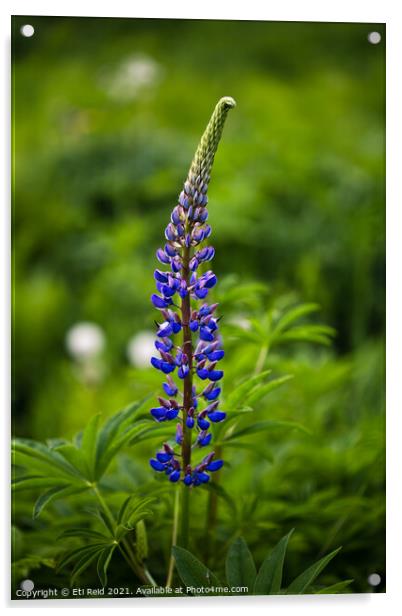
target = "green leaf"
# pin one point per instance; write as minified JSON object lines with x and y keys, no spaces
{"x":84,"y":532}
{"x":261,"y":391}
{"x":54,"y":494}
{"x":113,"y":426}
{"x":303,"y":581}
{"x":334,"y":588}
{"x":133,"y":511}
{"x":293,"y":315}
{"x":85,"y":561}
{"x":268,"y":424}
{"x":103,"y":563}
{"x":107,"y":523}
{"x":240,"y":567}
{"x":123,"y":509}
{"x":269,"y":578}
{"x":320,"y":334}
{"x":35,"y":455}
{"x":88,"y":445}
{"x":78,"y":553}
{"x":33,"y":482}
{"x":75,"y":457}
{"x":238,"y":393}
{"x":114,"y":446}
{"x":192,"y":572}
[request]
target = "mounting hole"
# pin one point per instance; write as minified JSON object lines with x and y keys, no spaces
{"x":27,"y":585}
{"x":374,"y":579}
{"x":374,"y":38}
{"x":27,"y":30}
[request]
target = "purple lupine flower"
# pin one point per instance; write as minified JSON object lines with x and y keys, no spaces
{"x":180,"y":296}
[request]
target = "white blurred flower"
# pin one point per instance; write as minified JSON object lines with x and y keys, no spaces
{"x":135,"y":75}
{"x":85,"y":340}
{"x":140,"y":349}
{"x":240,"y":321}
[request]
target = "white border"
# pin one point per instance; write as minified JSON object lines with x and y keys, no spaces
{"x":286,"y":10}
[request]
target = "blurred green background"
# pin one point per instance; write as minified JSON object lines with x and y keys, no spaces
{"x":106,"y":116}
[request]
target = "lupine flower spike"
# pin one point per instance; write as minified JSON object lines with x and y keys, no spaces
{"x":187,"y":339}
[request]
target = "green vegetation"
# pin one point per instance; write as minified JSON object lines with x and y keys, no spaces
{"x":107,"y":113}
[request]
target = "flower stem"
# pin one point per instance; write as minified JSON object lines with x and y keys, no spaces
{"x":185,"y":516}
{"x":187,"y":398}
{"x":175,"y":529}
{"x":212,"y":511}
{"x":188,"y":350}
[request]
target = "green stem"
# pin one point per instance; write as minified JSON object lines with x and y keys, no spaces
{"x":175,"y":531}
{"x":212,"y":511}
{"x":185,"y":516}
{"x":125,"y":548}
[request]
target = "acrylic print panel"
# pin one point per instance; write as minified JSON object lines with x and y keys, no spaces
{"x":198,"y":271}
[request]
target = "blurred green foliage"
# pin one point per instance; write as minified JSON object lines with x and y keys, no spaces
{"x":106,"y":116}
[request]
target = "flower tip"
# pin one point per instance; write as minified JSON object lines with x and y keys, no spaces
{"x":227,"y":101}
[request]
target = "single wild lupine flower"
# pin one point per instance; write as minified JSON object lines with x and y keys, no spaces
{"x":188,"y":342}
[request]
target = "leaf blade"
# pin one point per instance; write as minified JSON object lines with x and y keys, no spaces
{"x":269,"y":577}
{"x":299,"y":584}
{"x":240,"y":566}
{"x":192,"y":572}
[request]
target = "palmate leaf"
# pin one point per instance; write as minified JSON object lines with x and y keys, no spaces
{"x":259,"y":392}
{"x":114,"y":427}
{"x":272,"y":330}
{"x":67,"y":468}
{"x":53,"y":494}
{"x":86,"y":533}
{"x":84,"y":556}
{"x":43,"y":460}
{"x":134,"y":510}
{"x":239,"y":393}
{"x":192,"y":572}
{"x":269,"y":578}
{"x":114,"y":446}
{"x":88,"y":445}
{"x":77,"y":554}
{"x":292,"y":315}
{"x":103,"y":563}
{"x":320,"y":334}
{"x":261,"y":426}
{"x":117,"y":432}
{"x":33,"y":482}
{"x":240,"y":567}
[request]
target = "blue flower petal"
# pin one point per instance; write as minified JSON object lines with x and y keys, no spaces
{"x":215,"y":465}
{"x":159,"y":413}
{"x":156,"y":465}
{"x":215,"y":375}
{"x":213,"y":394}
{"x":174,"y":476}
{"x":206,"y":335}
{"x":216,"y":416}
